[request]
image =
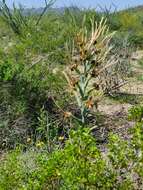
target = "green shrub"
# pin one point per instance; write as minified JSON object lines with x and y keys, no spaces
{"x":136,"y":39}
{"x":79,"y":165}
{"x":136,"y":113}
{"x":15,"y":169}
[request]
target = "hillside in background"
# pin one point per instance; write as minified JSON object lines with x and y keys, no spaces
{"x":138,"y":9}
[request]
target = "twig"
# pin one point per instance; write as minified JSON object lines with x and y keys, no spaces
{"x":120,"y":85}
{"x":47,"y":5}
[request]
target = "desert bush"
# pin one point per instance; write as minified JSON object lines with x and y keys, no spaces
{"x":128,"y":21}
{"x":15,"y":19}
{"x":131,"y":22}
{"x":21,"y":101}
{"x":136,"y":39}
{"x":136,"y":113}
{"x":18,"y":21}
{"x":28,"y":76}
{"x":15,"y":163}
{"x":79,"y":165}
{"x":26,"y":83}
{"x":28,"y":28}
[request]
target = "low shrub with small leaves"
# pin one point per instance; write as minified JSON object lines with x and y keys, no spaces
{"x":79,"y":165}
{"x":136,"y":113}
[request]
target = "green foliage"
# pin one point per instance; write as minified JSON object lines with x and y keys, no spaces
{"x":127,"y":21}
{"x":136,"y":39}
{"x":10,"y":181}
{"x":140,"y":62}
{"x":17,"y":168}
{"x":79,"y":165}
{"x":26,"y":81}
{"x":9,"y":69}
{"x":136,"y":113}
{"x":15,"y":19}
{"x":47,"y":130}
{"x":20,"y":23}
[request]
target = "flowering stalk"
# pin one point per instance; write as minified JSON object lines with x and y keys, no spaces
{"x":87,"y":61}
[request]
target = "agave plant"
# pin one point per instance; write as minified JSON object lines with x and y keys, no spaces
{"x":88,"y":59}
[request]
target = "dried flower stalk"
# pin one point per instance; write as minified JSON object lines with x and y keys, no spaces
{"x":88,"y":60}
